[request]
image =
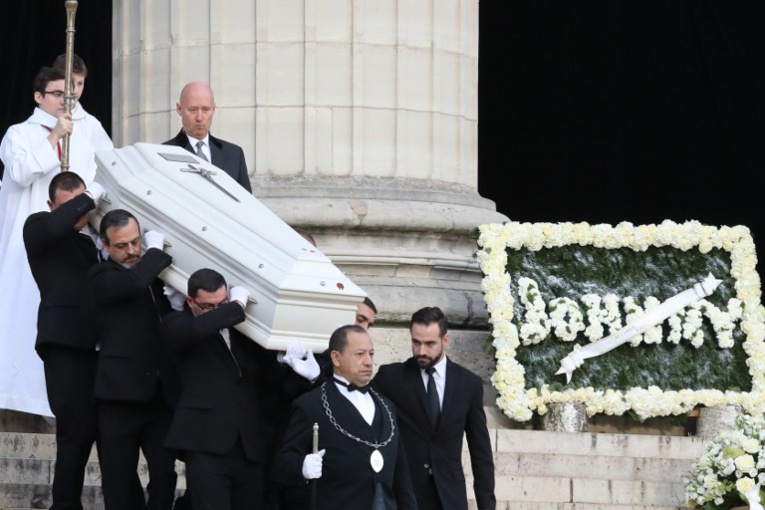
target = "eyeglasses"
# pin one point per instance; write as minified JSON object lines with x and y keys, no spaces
{"x":58,"y":94}
{"x":206,"y":307}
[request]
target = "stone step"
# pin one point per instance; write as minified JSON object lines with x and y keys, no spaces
{"x":22,"y":445}
{"x":649,"y":469}
{"x":28,"y":496}
{"x":540,"y":470}
{"x":574,"y":506}
{"x":604,"y":444}
{"x":535,"y":470}
{"x":540,"y":489}
{"x":16,"y":496}
{"x":40,"y":471}
{"x":14,"y":421}
{"x":42,"y":445}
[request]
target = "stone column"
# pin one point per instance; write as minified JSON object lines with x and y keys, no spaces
{"x":358,"y":119}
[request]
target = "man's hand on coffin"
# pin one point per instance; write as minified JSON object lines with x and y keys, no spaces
{"x":176,"y":297}
{"x":239,"y":294}
{"x":301,"y":360}
{"x":312,"y":465}
{"x":154,"y":239}
{"x":95,"y":191}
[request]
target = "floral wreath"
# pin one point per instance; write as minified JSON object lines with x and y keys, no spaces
{"x":519,"y":403}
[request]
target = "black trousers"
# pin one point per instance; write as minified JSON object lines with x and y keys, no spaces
{"x":69,"y":376}
{"x":427,"y":498}
{"x":286,"y":497}
{"x":224,"y":482}
{"x":124,"y":429}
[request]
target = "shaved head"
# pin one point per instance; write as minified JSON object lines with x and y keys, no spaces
{"x":196,"y":107}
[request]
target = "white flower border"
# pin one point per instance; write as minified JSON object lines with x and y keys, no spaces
{"x":518,"y":403}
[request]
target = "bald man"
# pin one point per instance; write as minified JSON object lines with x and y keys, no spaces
{"x":196,"y":108}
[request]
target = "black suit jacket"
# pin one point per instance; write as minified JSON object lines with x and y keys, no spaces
{"x":441,"y":449}
{"x":225,"y":155}
{"x":348,"y":480}
{"x":132,"y":361}
{"x":222,"y":389}
{"x":59,"y":258}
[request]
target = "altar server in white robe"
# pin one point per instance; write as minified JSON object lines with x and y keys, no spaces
{"x":31,"y":154}
{"x":84,"y":123}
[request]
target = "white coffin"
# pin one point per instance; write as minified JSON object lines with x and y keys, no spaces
{"x":296,"y":291}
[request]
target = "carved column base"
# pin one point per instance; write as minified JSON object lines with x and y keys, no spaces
{"x":713,"y":420}
{"x":407,"y":243}
{"x":565,"y":417}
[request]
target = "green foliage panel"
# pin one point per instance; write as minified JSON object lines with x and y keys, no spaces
{"x":573,"y":271}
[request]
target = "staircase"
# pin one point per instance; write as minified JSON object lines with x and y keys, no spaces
{"x":535,"y":470}
{"x":538,"y":470}
{"x":27,"y":462}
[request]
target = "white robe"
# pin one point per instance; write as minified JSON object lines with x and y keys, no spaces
{"x":30,"y":164}
{"x":89,"y":127}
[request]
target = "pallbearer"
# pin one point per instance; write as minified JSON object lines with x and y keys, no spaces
{"x":360,"y":462}
{"x":135,"y":385}
{"x":61,"y":247}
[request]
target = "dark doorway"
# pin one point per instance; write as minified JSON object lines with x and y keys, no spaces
{"x":616,"y":110}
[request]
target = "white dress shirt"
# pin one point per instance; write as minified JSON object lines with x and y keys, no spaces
{"x":439,"y":376}
{"x":205,"y":146}
{"x":361,"y":401}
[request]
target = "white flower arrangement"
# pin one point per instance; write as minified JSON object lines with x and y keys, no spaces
{"x":732,"y":468}
{"x":518,"y":402}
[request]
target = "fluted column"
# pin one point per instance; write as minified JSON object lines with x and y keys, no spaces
{"x":358,"y":119}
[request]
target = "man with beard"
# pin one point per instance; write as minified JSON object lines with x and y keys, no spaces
{"x":135,"y":386}
{"x":439,"y":401}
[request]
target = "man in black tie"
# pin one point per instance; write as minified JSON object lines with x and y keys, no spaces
{"x":221,"y":427}
{"x":360,"y":462}
{"x":217,"y":428}
{"x":59,"y":257}
{"x":439,"y":402}
{"x":196,"y":108}
{"x":136,"y":387}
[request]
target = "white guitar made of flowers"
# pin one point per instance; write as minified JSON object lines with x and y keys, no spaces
{"x":651,"y":318}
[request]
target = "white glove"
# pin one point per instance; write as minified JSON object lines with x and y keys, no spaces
{"x":154,"y":239}
{"x":239,"y":294}
{"x":95,"y":191}
{"x":301,"y":360}
{"x":312,"y":465}
{"x":176,"y":298}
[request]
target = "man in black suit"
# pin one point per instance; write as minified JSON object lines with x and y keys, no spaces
{"x":218,"y":426}
{"x":196,"y":108}
{"x":59,"y":256}
{"x":135,"y":385}
{"x":438,"y":401}
{"x":361,"y":463}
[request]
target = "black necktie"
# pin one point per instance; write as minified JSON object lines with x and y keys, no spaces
{"x":434,"y":406}
{"x":351,"y":386}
